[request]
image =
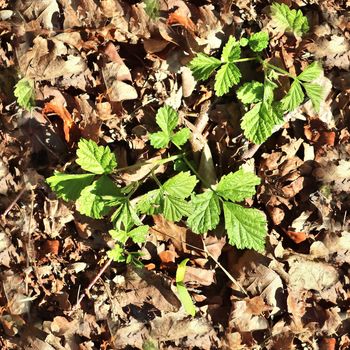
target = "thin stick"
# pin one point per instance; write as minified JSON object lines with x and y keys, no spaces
{"x":9,"y":208}
{"x":92,"y":283}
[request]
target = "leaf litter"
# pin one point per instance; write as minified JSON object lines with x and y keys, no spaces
{"x":101,"y":71}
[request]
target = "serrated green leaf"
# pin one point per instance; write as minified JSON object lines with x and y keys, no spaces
{"x":159,"y":139}
{"x":175,"y":208}
{"x":202,"y":66}
{"x":94,"y":158}
{"x":183,"y":294}
{"x":119,"y":235}
{"x":243,"y":42}
{"x":259,"y":41}
{"x":180,"y":185}
{"x":251,"y":92}
{"x":117,"y":253}
{"x":231,"y":50}
{"x":25,"y":93}
{"x":315,"y":93}
{"x":311,"y":72}
{"x":139,"y":234}
{"x":125,"y":216}
{"x":181,"y":137}
{"x":259,"y":122}
{"x":69,"y":186}
{"x":287,"y":20}
{"x":150,"y":203}
{"x":167,"y":119}
{"x":97,"y":199}
{"x":227,"y":76}
{"x":152,"y":8}
{"x":238,"y":186}
{"x":246,"y":227}
{"x":205,"y":214}
{"x":294,"y":97}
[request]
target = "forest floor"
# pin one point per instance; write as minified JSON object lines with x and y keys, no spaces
{"x":102,"y":69}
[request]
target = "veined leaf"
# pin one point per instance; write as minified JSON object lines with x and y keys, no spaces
{"x":167,"y":119}
{"x":246,"y":227}
{"x":205,"y":214}
{"x":125,"y":217}
{"x":159,"y":139}
{"x":138,"y":234}
{"x":238,"y":186}
{"x":25,"y":93}
{"x":180,"y":185}
{"x":294,"y":97}
{"x":97,"y":199}
{"x":183,"y":294}
{"x":94,"y":158}
{"x":259,"y":41}
{"x":181,"y":137}
{"x":175,"y":208}
{"x":259,"y":122}
{"x":150,"y":203}
{"x":202,"y":66}
{"x":231,"y":50}
{"x":311,"y":72}
{"x":315,"y":93}
{"x":69,"y":186}
{"x":117,"y":253}
{"x":287,"y":20}
{"x":251,"y":92}
{"x":227,"y":76}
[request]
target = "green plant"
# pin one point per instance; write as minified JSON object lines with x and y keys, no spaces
{"x":263,"y":111}
{"x":152,"y":8}
{"x":97,"y":195}
{"x":25,"y":93}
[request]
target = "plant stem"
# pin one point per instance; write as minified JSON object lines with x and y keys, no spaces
{"x":277,"y":69}
{"x":245,"y":59}
{"x":155,"y":163}
{"x":188,"y":163}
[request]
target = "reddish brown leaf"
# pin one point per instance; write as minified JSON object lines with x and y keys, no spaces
{"x":297,"y":237}
{"x":70,"y":129}
{"x":186,"y":22}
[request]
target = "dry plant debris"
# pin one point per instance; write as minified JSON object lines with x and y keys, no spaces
{"x":255,"y":91}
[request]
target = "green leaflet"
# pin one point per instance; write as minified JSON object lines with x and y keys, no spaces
{"x":125,"y":216}
{"x":287,"y":20}
{"x":259,"y":122}
{"x":315,"y":93}
{"x":25,"y":93}
{"x":182,"y":292}
{"x":94,"y":158}
{"x":117,"y":253}
{"x":202,"y":66}
{"x":175,"y":208}
{"x":251,"y":92}
{"x":97,"y":199}
{"x":259,"y":41}
{"x":311,"y":72}
{"x":69,"y":186}
{"x":138,"y":234}
{"x":167,"y":119}
{"x":227,"y":76}
{"x":151,"y":203}
{"x":231,"y":50}
{"x":238,"y":186}
{"x":180,"y":185}
{"x":294,"y":97}
{"x":246,"y":227}
{"x":205,"y":213}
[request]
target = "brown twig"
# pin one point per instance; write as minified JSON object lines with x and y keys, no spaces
{"x":92,"y":283}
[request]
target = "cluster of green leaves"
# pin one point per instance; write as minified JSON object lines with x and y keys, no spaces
{"x":246,"y":227}
{"x":25,"y":93}
{"x":228,"y":73}
{"x":167,"y":119}
{"x":287,"y":20}
{"x":262,"y":111}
